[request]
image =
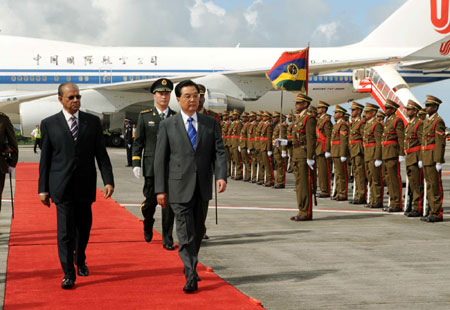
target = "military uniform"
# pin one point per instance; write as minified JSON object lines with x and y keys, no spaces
{"x":259,"y":155}
{"x":433,"y":151}
{"x":9,"y":152}
{"x":323,"y":146}
{"x":266,"y":147}
{"x":243,"y":143}
{"x":128,"y":139}
{"x":251,"y":134}
{"x":279,"y":131}
{"x":339,"y":149}
{"x":392,"y":148}
{"x":372,"y":133}
{"x":290,"y":129}
{"x":226,"y":142}
{"x":234,"y":135}
{"x":304,"y":143}
{"x":412,"y":143}
{"x":356,"y":149}
{"x":144,"y":145}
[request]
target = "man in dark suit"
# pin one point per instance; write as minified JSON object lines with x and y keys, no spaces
{"x":71,"y":142}
{"x":9,"y":152}
{"x":188,"y":146}
{"x":145,"y":142}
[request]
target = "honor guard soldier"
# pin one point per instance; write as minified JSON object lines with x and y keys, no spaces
{"x":259,"y":127}
{"x":433,"y":151}
{"x":323,"y":149}
{"x":339,"y":144}
{"x":393,"y":153}
{"x":234,"y":133}
{"x":357,"y":153}
{"x":145,"y":141}
{"x":279,"y":151}
{"x":290,"y":134}
{"x":9,"y":152}
{"x":128,"y":139}
{"x":266,"y":147}
{"x":303,"y":159}
{"x":225,"y":137}
{"x":413,"y":161}
{"x":380,"y":117}
{"x":243,"y":144}
{"x":251,"y":133}
{"x":422,"y":114}
{"x":372,"y":134}
{"x":201,"y":102}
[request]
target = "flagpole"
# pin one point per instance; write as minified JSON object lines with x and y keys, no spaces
{"x":307,"y":68}
{"x":281,"y":112}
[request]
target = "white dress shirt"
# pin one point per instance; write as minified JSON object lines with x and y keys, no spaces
{"x":68,"y":117}
{"x":166,"y":112}
{"x":186,"y":122}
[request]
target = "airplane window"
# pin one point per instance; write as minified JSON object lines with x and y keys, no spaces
{"x":25,"y":78}
{"x":13,"y":78}
{"x":68,"y":79}
{"x":320,"y":78}
{"x":38,"y":79}
{"x":86,"y":79}
{"x":32,"y":78}
{"x":341,"y":78}
{"x":131,"y":78}
{"x":56,"y":78}
{"x":80,"y":79}
{"x":44,"y":78}
{"x":108,"y":78}
{"x":125,"y":78}
{"x":325,"y":78}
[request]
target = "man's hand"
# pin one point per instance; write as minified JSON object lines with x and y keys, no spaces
{"x":343,"y":159}
{"x":162,"y":199}
{"x":378,"y":163}
{"x":311,"y":163}
{"x":327,"y":154}
{"x":109,"y":190}
{"x":45,"y":200}
{"x":438,"y":167}
{"x":11,"y":170}
{"x":137,"y":172}
{"x":269,"y":153}
{"x":221,"y":185}
{"x":283,"y":154}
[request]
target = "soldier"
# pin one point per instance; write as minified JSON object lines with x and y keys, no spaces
{"x":339,"y":144}
{"x":323,"y":149}
{"x":393,"y":153}
{"x":380,"y":117}
{"x":413,"y":161}
{"x":128,"y":139}
{"x":433,"y":150}
{"x":266,"y":148}
{"x":357,"y":153}
{"x":290,"y":129}
{"x":234,"y":132}
{"x":422,"y":114}
{"x":225,"y":137}
{"x":251,"y":132}
{"x":372,"y":156}
{"x":259,"y":127}
{"x":201,"y":102}
{"x":303,"y":159}
{"x":279,"y":151}
{"x":145,"y":141}
{"x":9,"y":152}
{"x":243,"y":146}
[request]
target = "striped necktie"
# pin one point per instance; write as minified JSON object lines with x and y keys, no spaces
{"x":192,"y":133}
{"x":74,"y":128}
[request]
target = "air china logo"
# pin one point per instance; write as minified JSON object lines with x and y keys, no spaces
{"x":445,"y":48}
{"x":440,"y":20}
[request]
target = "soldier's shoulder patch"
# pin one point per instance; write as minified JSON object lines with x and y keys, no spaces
{"x":440,"y":133}
{"x":344,"y":132}
{"x":146,"y":111}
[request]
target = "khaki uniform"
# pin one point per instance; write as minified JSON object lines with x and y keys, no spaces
{"x":251,"y":133}
{"x":9,"y":152}
{"x":290,"y":148}
{"x":234,"y":133}
{"x":226,"y":144}
{"x":304,"y":144}
{"x":433,"y":150}
{"x":265,"y":146}
{"x":259,"y":155}
{"x":324,"y":165}
{"x":356,"y":149}
{"x":277,"y":150}
{"x":243,"y":143}
{"x":339,"y":146}
{"x":412,"y":143}
{"x":392,"y":148}
{"x":372,"y":133}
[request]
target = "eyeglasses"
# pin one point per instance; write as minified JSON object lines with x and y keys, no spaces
{"x":73,"y":97}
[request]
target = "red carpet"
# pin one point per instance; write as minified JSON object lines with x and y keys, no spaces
{"x":126,"y":272}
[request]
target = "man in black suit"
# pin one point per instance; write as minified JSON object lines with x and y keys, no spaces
{"x":71,"y":142}
{"x":188,"y":146}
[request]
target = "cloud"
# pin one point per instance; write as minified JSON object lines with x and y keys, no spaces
{"x":205,"y":10}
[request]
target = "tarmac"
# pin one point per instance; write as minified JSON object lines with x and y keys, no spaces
{"x":348,"y":257}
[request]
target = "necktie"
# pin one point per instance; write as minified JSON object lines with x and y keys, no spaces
{"x":192,"y":133}
{"x":162,"y":115}
{"x":74,"y":128}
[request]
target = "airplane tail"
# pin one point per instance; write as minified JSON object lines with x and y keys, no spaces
{"x":416,"y":24}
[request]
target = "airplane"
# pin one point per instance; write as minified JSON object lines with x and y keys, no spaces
{"x":409,"y":48}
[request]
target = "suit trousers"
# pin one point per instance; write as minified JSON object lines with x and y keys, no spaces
{"x":324,"y":173}
{"x":129,"y":152}
{"x":340,"y":171}
{"x":415,"y":178}
{"x":190,"y":218}
{"x":2,"y":186}
{"x":435,"y":194}
{"x":359,"y":177}
{"x":395,"y":182}
{"x":375,"y":178}
{"x":74,"y":221}
{"x":303,"y":187}
{"x":148,"y":208}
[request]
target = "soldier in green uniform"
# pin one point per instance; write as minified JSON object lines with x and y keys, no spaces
{"x":413,"y":161}
{"x":233,"y":133}
{"x":251,"y":132}
{"x":372,"y":133}
{"x":380,"y":117}
{"x":290,"y":149}
{"x":393,"y":153}
{"x":357,"y":153}
{"x":201,"y":102}
{"x":433,"y":151}
{"x":339,"y":149}
{"x":323,"y":149}
{"x":265,"y":141}
{"x":259,"y":155}
{"x":422,"y":114}
{"x":145,"y":142}
{"x":243,"y":146}
{"x":279,"y":151}
{"x":303,"y":159}
{"x":9,"y":152}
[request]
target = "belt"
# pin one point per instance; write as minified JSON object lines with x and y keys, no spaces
{"x":298,"y":143}
{"x":389,"y":142}
{"x":234,"y":137}
{"x":429,"y":147}
{"x":336,"y":142}
{"x":251,"y":139}
{"x":413,"y":149}
{"x":290,"y":137}
{"x":243,"y":138}
{"x":370,"y":144}
{"x":263,"y":139}
{"x":355,"y":141}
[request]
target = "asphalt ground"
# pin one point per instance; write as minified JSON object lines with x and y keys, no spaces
{"x":348,"y":257}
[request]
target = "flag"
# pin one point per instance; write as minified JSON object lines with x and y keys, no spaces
{"x":290,"y":72}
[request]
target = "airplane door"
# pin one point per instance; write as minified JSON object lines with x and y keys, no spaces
{"x":105,"y":76}
{"x":358,"y":75}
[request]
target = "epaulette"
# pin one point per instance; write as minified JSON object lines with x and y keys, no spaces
{"x":146,"y":111}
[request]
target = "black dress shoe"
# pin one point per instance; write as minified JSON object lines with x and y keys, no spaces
{"x":205,"y":237}
{"x":359,"y":202}
{"x":431,"y":219}
{"x":323,"y":195}
{"x":148,"y":235}
{"x":377,"y":206}
{"x":67,"y":284}
{"x":300,"y":218}
{"x":128,"y":166}
{"x":279,"y":186}
{"x":368,"y":205}
{"x":83,"y":270}
{"x":190,"y":287}
{"x":395,"y":209}
{"x":169,"y":247}
{"x":414,"y":213}
{"x":341,"y":199}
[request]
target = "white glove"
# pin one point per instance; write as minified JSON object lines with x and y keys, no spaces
{"x":269,"y":153}
{"x":239,"y":149}
{"x":438,"y":167}
{"x":327,"y":154}
{"x":283,"y":154}
{"x":137,"y":172}
{"x":129,"y":145}
{"x":420,"y":164}
{"x":310,"y":163}
{"x":122,"y":136}
{"x":378,"y":163}
{"x":248,"y":151}
{"x":343,"y":159}
{"x":11,"y":170}
{"x":401,"y":159}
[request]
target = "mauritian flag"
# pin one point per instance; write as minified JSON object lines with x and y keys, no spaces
{"x":290,"y":72}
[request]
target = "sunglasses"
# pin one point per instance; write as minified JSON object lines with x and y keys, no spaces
{"x":73,"y":97}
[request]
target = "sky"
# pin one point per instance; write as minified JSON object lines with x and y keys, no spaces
{"x":213,"y":23}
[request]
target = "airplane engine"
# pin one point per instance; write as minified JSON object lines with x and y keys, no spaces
{"x":33,"y":112}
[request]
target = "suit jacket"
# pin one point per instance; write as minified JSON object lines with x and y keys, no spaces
{"x":145,"y":139}
{"x":67,"y":167}
{"x":8,"y":143}
{"x":178,"y":167}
